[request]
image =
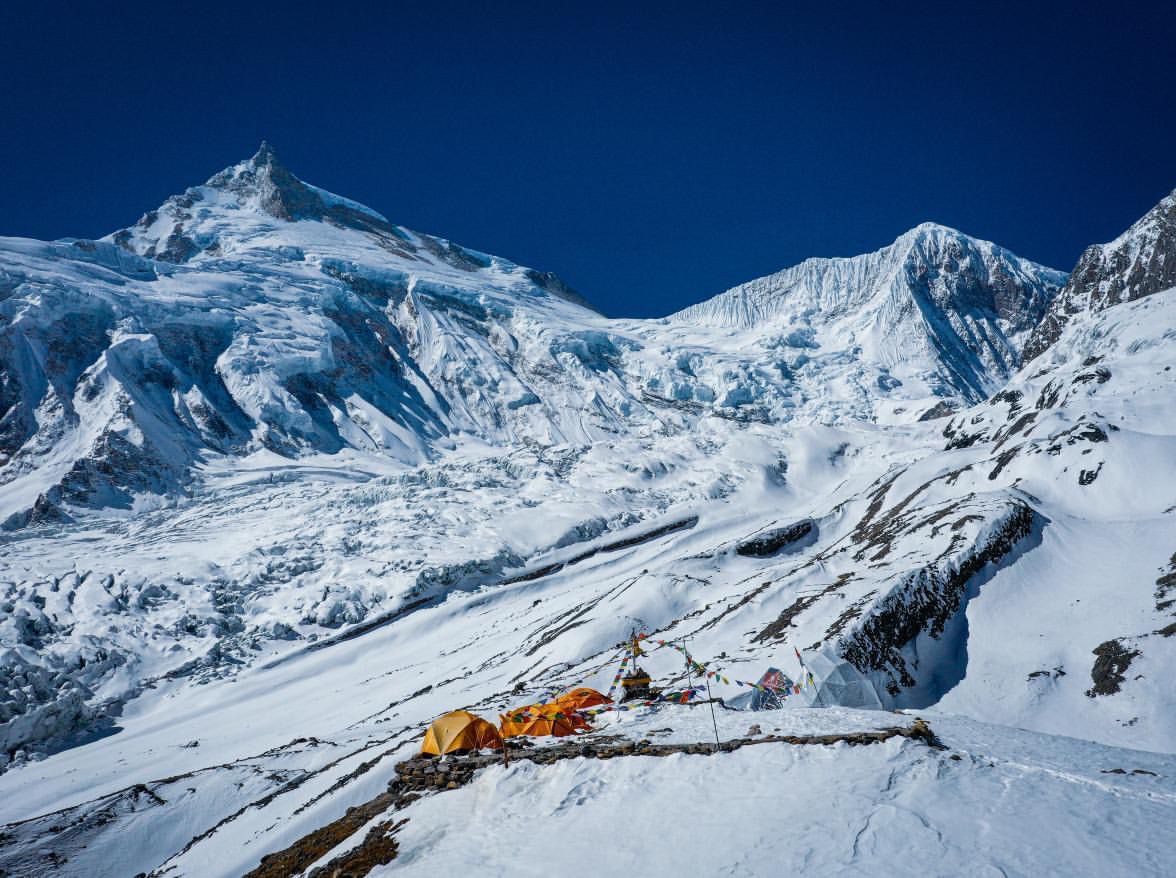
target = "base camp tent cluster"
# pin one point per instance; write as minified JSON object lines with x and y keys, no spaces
{"x":836,"y":684}
{"x":461,"y":731}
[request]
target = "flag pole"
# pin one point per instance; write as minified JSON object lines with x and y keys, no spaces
{"x":808,"y":677}
{"x":709,"y":698}
{"x":714,"y":721}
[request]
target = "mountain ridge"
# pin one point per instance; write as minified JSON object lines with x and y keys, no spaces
{"x":1139,"y":262}
{"x":259,"y":311}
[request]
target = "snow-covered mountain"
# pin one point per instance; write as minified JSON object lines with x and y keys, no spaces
{"x":283,"y":482}
{"x":259,"y":312}
{"x":936,"y":307}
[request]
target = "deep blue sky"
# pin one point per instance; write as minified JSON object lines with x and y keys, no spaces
{"x":651,"y":158}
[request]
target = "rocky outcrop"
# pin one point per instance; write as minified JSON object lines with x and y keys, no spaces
{"x":925,"y":601}
{"x":1110,"y":667}
{"x":770,"y":542}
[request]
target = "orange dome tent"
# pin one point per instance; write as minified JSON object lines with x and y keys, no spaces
{"x":582,"y":697}
{"x":460,"y":730}
{"x":540,"y":720}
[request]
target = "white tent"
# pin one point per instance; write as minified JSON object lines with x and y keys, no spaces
{"x":839,"y":684}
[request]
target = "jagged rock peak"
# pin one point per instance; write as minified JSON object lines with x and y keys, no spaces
{"x":1140,"y":262}
{"x":264,"y":182}
{"x":265,"y":155}
{"x":259,"y":188}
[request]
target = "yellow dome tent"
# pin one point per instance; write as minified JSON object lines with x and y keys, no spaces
{"x":580,"y":698}
{"x":541,"y":720}
{"x":460,"y":730}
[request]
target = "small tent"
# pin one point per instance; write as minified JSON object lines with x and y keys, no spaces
{"x":580,"y":698}
{"x":775,"y":686}
{"x":460,"y":730}
{"x":838,"y":683}
{"x":541,"y":720}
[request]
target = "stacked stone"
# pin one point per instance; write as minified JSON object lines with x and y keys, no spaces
{"x":426,"y":774}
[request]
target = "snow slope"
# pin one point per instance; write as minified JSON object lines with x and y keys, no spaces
{"x":303,"y":718}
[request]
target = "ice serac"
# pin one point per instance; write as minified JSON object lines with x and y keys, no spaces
{"x":948,"y":309}
{"x":1140,"y":262}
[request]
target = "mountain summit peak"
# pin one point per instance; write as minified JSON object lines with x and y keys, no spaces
{"x":932,"y":226}
{"x":265,"y":155}
{"x":266,"y":164}
{"x":275,"y":190}
{"x":257,"y":189}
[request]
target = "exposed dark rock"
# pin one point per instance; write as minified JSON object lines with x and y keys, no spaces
{"x":1019,"y":426}
{"x":304,"y":852}
{"x":1012,"y":397}
{"x":1053,"y":675}
{"x":550,"y":281}
{"x":784,"y":620}
{"x":1101,"y":376}
{"x":768,"y":543}
{"x":958,"y":436}
{"x":925,"y":602}
{"x":178,"y":247}
{"x":1166,"y":587}
{"x":1004,"y":459}
{"x":378,"y":848}
{"x":1049,"y":395}
{"x":1111,"y":661}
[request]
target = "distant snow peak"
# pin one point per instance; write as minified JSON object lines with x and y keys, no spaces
{"x":271,"y":186}
{"x":954,"y":307}
{"x":238,"y":202}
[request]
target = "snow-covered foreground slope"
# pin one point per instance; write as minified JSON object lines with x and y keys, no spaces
{"x":283,"y":482}
{"x":984,"y":807}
